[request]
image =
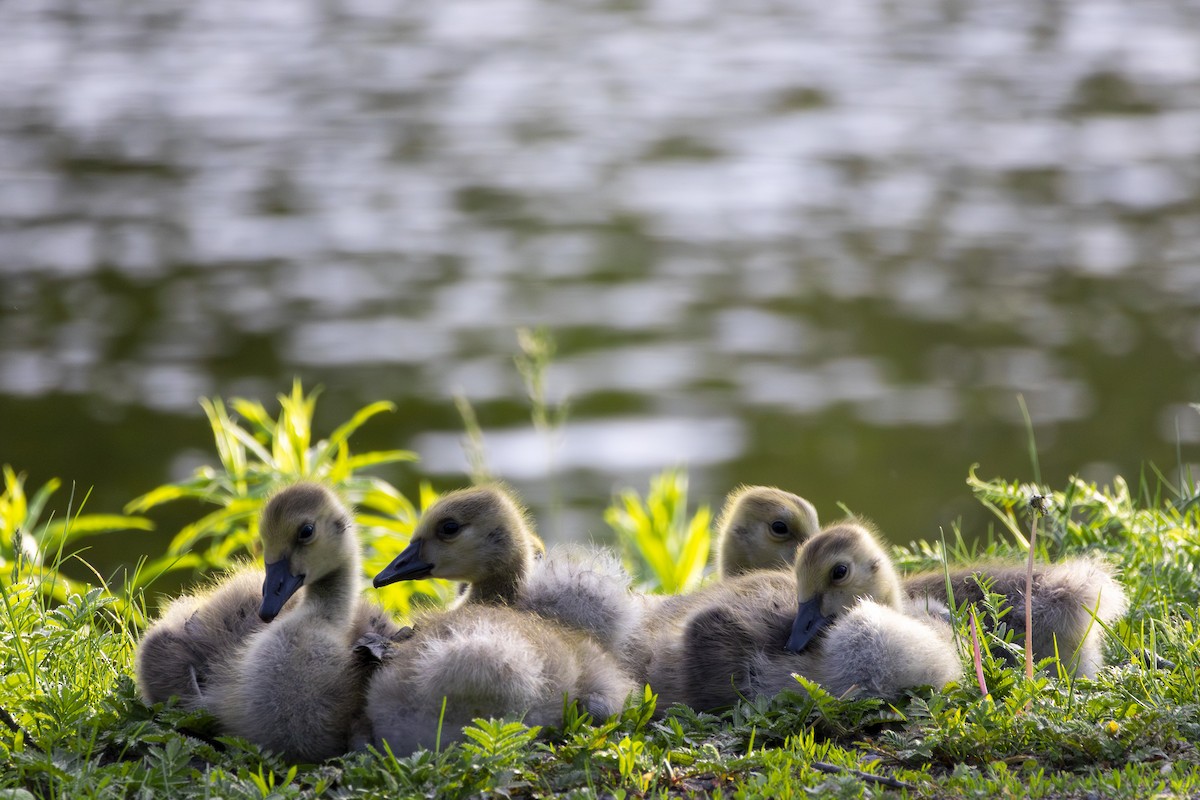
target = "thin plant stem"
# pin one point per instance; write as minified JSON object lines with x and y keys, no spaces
{"x":16,"y":728}
{"x":437,"y":748}
{"x":473,"y":443}
{"x":1030,"y":440}
{"x":882,"y":780}
{"x":1029,"y":600}
{"x":977,"y":654}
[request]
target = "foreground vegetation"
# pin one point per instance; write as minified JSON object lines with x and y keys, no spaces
{"x":72,"y":726}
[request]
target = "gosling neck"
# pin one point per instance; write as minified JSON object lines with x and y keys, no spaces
{"x":333,"y":596}
{"x":501,"y":585}
{"x":890,"y":593}
{"x":730,"y":559}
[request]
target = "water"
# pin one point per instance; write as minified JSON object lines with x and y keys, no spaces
{"x":820,"y":247}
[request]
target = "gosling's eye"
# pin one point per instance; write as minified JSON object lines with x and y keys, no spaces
{"x":839,"y":572}
{"x":448,"y":528}
{"x":305,"y":532}
{"x":779,"y":528}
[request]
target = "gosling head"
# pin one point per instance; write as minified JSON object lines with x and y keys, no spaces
{"x":307,"y":535}
{"x":760,"y":528}
{"x":472,"y":535}
{"x":834,"y":570}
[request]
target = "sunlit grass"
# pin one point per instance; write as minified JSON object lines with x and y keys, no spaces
{"x":32,"y":547}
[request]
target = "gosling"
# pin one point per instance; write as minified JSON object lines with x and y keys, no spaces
{"x":869,"y":637}
{"x":483,"y":536}
{"x":748,"y":635}
{"x":297,"y":686}
{"x":198,"y":634}
{"x":760,"y":527}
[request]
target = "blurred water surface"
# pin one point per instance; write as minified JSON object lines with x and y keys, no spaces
{"x":818,"y":245}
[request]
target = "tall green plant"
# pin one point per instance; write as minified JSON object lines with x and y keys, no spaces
{"x":663,"y":548}
{"x":258,"y":454}
{"x":533,"y":363}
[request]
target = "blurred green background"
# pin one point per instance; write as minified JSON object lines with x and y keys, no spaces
{"x":818,"y":246}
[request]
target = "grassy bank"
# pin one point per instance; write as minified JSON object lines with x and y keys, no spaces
{"x":72,"y":726}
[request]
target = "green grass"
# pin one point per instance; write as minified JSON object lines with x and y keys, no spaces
{"x":31,"y":547}
{"x":72,"y":726}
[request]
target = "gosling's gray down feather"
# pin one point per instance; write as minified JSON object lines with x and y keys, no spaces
{"x":487,"y":660}
{"x":880,"y":653}
{"x":196,"y":634}
{"x":584,"y":588}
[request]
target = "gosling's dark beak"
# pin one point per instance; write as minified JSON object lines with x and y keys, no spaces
{"x":809,"y":620}
{"x":280,"y":585}
{"x":407,"y":566}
